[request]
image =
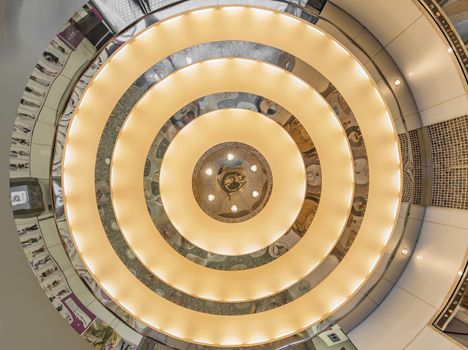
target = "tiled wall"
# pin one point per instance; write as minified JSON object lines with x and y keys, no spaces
{"x":437,"y":173}
{"x":414,"y":171}
{"x":449,"y":143}
{"x":418,"y":181}
{"x":407,"y":168}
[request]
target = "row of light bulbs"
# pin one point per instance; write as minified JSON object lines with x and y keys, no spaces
{"x":253,"y":168}
{"x":234,"y":208}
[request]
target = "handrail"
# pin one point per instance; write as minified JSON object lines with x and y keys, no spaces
{"x":456,"y":298}
{"x":451,"y":35}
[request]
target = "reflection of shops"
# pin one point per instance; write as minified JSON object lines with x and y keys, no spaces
{"x":87,"y":23}
{"x":26,"y":197}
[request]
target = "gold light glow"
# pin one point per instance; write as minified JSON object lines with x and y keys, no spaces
{"x":232,"y":74}
{"x":175,"y":181}
{"x":159,"y":41}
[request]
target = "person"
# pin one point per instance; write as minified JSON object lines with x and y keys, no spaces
{"x":58,"y":47}
{"x":43,"y":70}
{"x":51,"y":58}
{"x":34,"y":92}
{"x":29,"y":103}
{"x":40,"y":81}
{"x":355,"y":136}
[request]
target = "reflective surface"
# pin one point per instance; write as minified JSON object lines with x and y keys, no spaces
{"x":388,"y":199}
{"x":232,"y":182}
{"x":26,"y":28}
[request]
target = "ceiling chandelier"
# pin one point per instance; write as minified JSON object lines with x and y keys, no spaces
{"x":212,"y":76}
{"x":221,"y":177}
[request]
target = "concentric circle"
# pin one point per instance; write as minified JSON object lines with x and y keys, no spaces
{"x":236,"y":75}
{"x":215,"y":128}
{"x":378,"y":133}
{"x":153,"y":166}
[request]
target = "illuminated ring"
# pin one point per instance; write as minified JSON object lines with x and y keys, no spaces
{"x":230,"y":125}
{"x":134,"y":142}
{"x":342,"y":70}
{"x":172,"y":236}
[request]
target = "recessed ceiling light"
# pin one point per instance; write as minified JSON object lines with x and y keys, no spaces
{"x":234,"y":208}
{"x":211,"y":197}
{"x":253,"y":168}
{"x":230,"y":156}
{"x":397,"y":82}
{"x":255,"y":194}
{"x":188,"y":60}
{"x":209,"y":171}
{"x":404,"y":251}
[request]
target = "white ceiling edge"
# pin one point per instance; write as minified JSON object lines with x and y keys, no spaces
{"x":420,"y":51}
{"x":399,"y":321}
{"x":431,"y":71}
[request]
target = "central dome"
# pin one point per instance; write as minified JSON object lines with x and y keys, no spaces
{"x":232,"y":182}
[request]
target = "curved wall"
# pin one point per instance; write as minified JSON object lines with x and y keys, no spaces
{"x":439,"y":93}
{"x":420,"y":51}
{"x":431,"y":71}
{"x":27,"y":320}
{"x":421,"y":290}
